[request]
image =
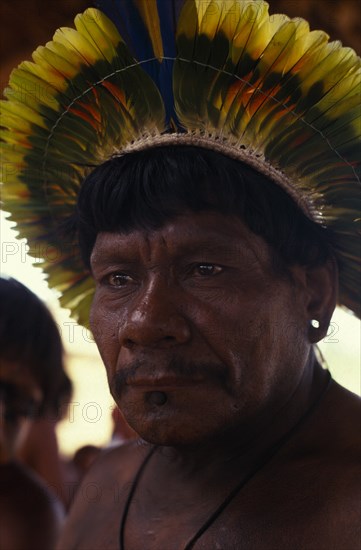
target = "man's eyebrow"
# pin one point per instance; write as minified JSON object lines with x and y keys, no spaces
{"x":107,"y":253}
{"x":112,"y":256}
{"x":214,"y":244}
{"x":224,"y":248}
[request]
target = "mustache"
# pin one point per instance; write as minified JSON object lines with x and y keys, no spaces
{"x":215,"y":372}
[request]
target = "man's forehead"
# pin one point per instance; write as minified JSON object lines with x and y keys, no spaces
{"x":192,"y":232}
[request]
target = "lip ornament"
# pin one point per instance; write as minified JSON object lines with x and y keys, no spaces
{"x":158,"y":398}
{"x":163,"y":382}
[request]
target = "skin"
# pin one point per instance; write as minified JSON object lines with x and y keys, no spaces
{"x":25,"y":501}
{"x":196,"y":310}
{"x":30,"y":517}
{"x":14,"y":432}
{"x":177,"y":294}
{"x":39,"y":451}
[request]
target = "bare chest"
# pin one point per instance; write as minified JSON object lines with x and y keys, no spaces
{"x":266,"y":514}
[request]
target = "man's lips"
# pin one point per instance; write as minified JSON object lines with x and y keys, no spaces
{"x":146,"y":376}
{"x":163,"y":383}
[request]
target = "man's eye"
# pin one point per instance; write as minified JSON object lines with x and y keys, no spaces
{"x":208,"y":269}
{"x":118,"y":279}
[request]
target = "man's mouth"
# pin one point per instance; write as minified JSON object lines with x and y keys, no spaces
{"x":170,"y":377}
{"x":163,"y":383}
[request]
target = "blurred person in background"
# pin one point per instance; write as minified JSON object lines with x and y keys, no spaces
{"x":122,"y":432}
{"x":84,"y":458}
{"x":33,"y":388}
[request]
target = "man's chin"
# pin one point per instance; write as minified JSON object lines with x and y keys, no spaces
{"x":176,"y":441}
{"x":167,"y":433}
{"x":179,"y":419}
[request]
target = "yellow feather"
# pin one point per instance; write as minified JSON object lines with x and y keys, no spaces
{"x":13,"y":192}
{"x":53,"y":63}
{"x":275,"y":23}
{"x":88,"y":25}
{"x":62,"y":53}
{"x":276,"y":55}
{"x":29,"y":89}
{"x":201,"y":7}
{"x":107,"y":26}
{"x":188,"y":21}
{"x":210,"y":15}
{"x":149,"y":12}
{"x":77,"y":44}
{"x":253,"y":30}
{"x":23,"y":113}
{"x":324,"y":71}
{"x":51,"y":78}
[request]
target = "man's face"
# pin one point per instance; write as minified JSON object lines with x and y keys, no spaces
{"x":198,"y":333}
{"x":20,"y":399}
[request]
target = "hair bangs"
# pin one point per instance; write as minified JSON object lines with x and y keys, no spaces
{"x":145,"y":189}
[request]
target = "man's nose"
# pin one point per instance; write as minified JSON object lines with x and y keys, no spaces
{"x":155,"y":320}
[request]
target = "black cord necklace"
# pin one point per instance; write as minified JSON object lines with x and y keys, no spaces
{"x":263,"y":460}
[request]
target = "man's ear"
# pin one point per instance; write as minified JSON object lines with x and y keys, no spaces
{"x":321,"y":294}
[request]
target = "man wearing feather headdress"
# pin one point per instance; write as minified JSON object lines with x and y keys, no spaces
{"x":213,"y":184}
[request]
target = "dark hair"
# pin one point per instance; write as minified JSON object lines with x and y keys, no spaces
{"x":30,"y":336}
{"x":145,"y":189}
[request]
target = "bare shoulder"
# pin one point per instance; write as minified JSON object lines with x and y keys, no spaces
{"x":309,"y":495}
{"x":331,"y":442}
{"x":26,"y":503}
{"x":339,"y":471}
{"x":342,"y":450}
{"x":100,"y":497}
{"x":116,"y":465}
{"x":341,"y":420}
{"x":328,"y":472}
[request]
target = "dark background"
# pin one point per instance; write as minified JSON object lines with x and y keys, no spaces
{"x":25,"y":24}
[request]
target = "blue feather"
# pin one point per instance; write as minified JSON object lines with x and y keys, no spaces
{"x":126,"y":17}
{"x":129,"y":22}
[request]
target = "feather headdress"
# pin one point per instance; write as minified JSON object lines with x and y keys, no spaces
{"x":220,"y":74}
